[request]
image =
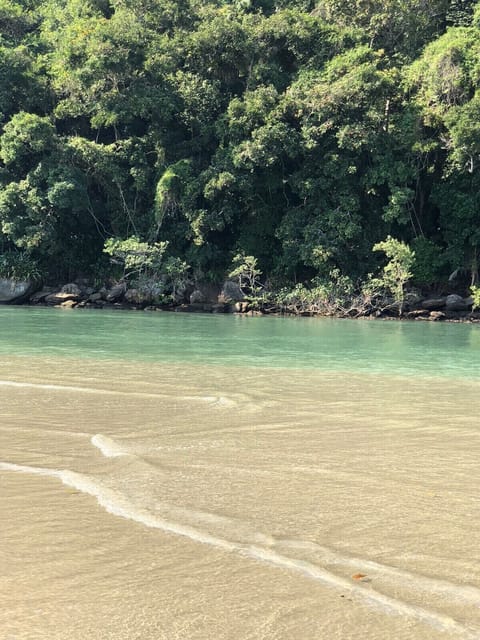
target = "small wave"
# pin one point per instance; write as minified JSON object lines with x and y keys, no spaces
{"x":118,"y":505}
{"x":53,"y":387}
{"x":212,"y":400}
{"x":398,"y":577}
{"x":108,"y":447}
{"x":75,"y":389}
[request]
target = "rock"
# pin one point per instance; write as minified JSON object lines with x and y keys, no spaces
{"x":455,"y":303}
{"x":231,"y":292}
{"x":434,"y":304}
{"x":209,"y":291}
{"x":68,"y":304}
{"x":241,"y":307}
{"x":116,"y":292}
{"x":72,"y":288}
{"x":95,"y":297}
{"x":437,"y":315}
{"x":198,"y":297}
{"x":58,"y":298}
{"x":12,"y":291}
{"x":134,"y":296}
{"x":40,"y":296}
{"x":416,"y":313}
{"x":412,"y":300}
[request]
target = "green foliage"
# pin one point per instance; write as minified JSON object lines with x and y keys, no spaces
{"x":247,"y":273}
{"x":397,"y":272}
{"x":460,"y":13}
{"x":169,"y":187}
{"x":26,"y":136}
{"x":399,"y":26}
{"x":19,"y":267}
{"x":430,"y":263}
{"x":301,"y":133}
{"x":331,"y":295}
{"x":158,"y":278}
{"x":475,"y":293}
{"x":136,"y":257}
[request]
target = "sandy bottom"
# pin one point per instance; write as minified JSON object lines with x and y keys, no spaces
{"x":145,"y":501}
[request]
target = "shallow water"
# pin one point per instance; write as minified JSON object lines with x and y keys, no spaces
{"x":199,"y":477}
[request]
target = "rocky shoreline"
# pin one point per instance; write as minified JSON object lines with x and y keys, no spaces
{"x":227,"y":299}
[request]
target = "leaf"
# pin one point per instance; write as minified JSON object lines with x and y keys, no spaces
{"x":358,"y":576}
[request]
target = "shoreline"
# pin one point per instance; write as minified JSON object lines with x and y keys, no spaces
{"x":231,"y":300}
{"x":229,"y":309}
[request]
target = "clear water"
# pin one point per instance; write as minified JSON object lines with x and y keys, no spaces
{"x":394,"y":348}
{"x":195,"y":477}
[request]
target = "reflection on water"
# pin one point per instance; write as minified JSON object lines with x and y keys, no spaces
{"x":187,"y":490}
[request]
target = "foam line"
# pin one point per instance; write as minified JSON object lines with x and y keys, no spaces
{"x":211,"y":400}
{"x":118,"y":505}
{"x":387,"y":603}
{"x":108,"y":447}
{"x":54,"y":387}
{"x":414,"y":581}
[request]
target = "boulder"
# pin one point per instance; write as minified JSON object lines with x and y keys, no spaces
{"x":94,"y":297}
{"x":39,"y":296}
{"x":116,"y":292}
{"x":241,"y":307}
{"x":416,"y":313}
{"x":59,"y":297}
{"x":68,"y":304}
{"x":231,"y":292}
{"x":436,"y":315}
{"x":434,"y":304}
{"x":412,"y":300}
{"x":456,"y":303}
{"x":14,"y":292}
{"x":72,"y":288}
{"x":134,"y":296}
{"x":198,"y":297}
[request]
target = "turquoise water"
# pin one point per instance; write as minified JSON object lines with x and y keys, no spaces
{"x":403,"y":348}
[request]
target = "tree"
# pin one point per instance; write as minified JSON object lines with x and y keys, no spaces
{"x":247,"y":273}
{"x":398,"y":26}
{"x":444,"y":79}
{"x":158,"y":278}
{"x":397,"y":271}
{"x":460,"y":13}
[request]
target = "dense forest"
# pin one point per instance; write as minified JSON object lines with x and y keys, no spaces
{"x":292,"y":142}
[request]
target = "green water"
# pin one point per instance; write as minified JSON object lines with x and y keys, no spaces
{"x":403,"y":348}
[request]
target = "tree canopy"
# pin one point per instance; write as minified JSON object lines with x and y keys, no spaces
{"x":302,"y":134}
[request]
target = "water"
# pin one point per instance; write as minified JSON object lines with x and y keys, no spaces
{"x":198,"y":477}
